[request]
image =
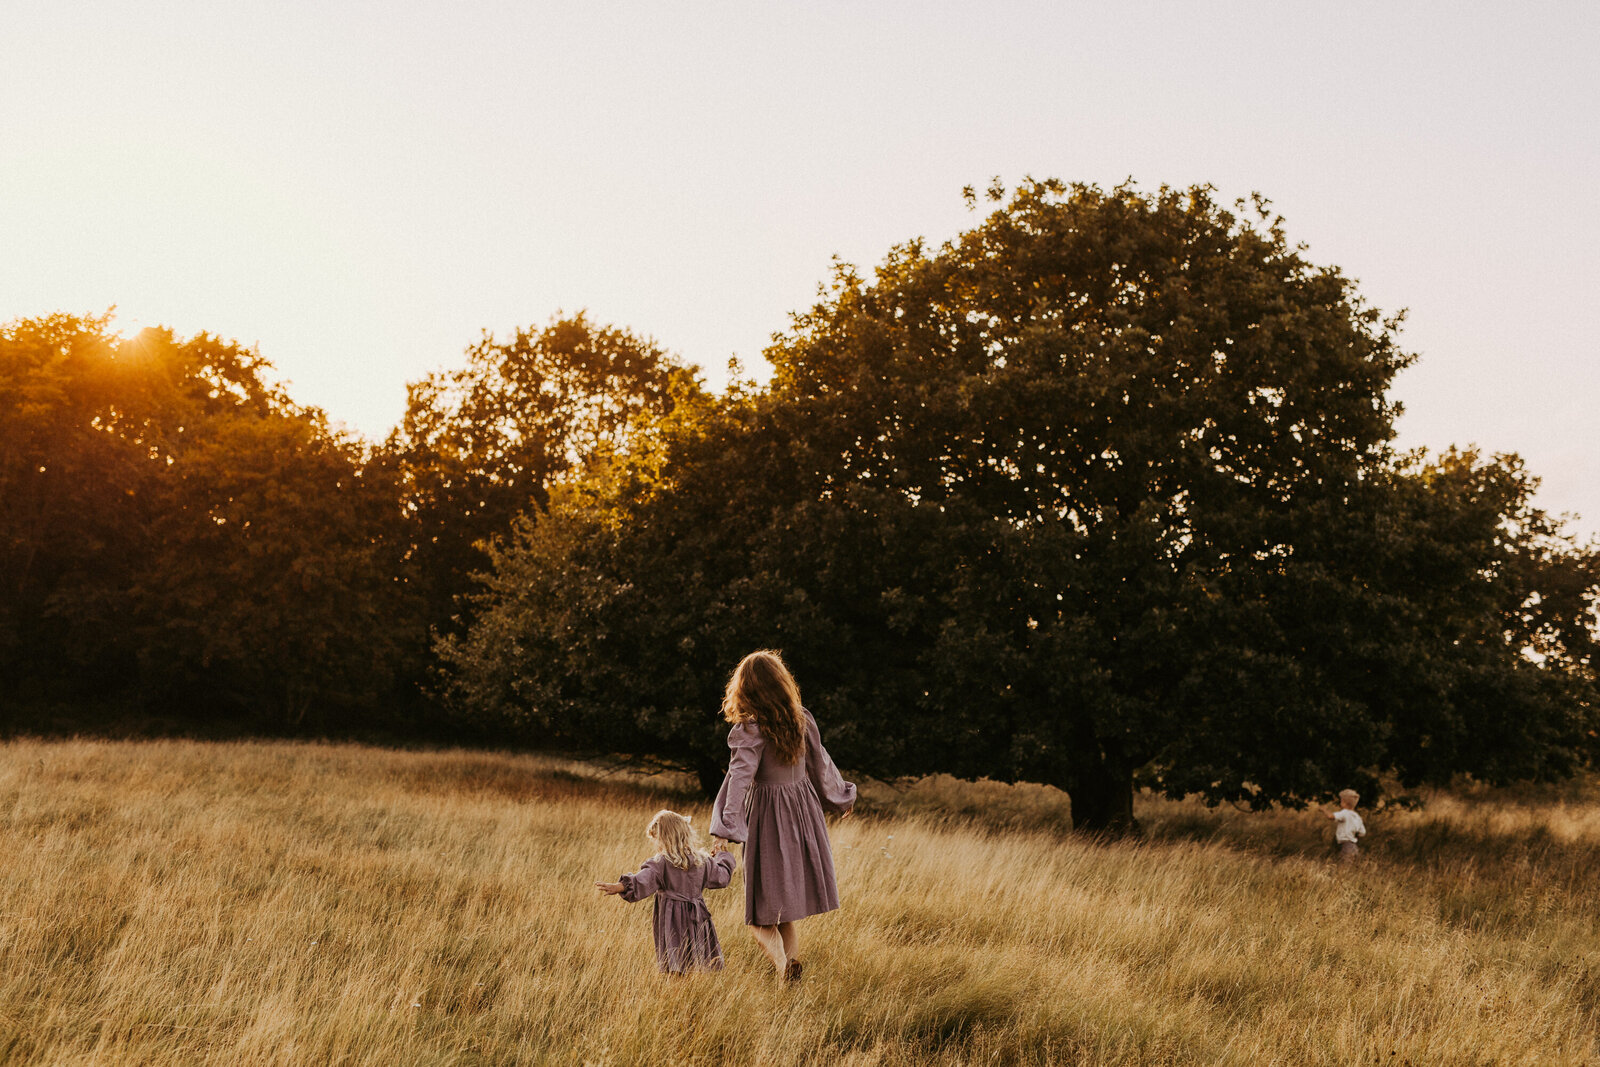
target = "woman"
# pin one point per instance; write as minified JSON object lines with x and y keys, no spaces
{"x":780,"y":781}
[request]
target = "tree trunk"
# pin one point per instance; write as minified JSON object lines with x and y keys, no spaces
{"x":1102,"y":799}
{"x":710,"y":773}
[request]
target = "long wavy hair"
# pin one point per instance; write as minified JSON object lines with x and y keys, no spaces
{"x":763,"y":691}
{"x":675,"y":838}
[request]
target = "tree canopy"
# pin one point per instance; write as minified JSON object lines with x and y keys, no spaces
{"x":177,"y":534}
{"x":483,"y":443}
{"x":176,"y":530}
{"x":1103,"y":491}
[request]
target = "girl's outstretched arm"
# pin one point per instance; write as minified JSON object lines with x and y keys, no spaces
{"x":721,"y":870}
{"x":635,"y":887}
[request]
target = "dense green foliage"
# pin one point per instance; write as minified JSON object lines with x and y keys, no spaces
{"x":174,"y":530}
{"x":1102,"y":489}
{"x":483,"y":443}
{"x":1100,"y":493}
{"x":178,"y":536}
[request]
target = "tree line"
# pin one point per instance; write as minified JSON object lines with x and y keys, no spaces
{"x":179,"y":538}
{"x":1102,"y":493}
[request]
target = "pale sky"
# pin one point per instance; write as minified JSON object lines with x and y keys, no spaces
{"x":361,"y":188}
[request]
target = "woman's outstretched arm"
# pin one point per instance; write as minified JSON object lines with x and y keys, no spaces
{"x":837,"y":795}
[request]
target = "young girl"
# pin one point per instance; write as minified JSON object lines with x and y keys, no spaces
{"x":685,"y":937}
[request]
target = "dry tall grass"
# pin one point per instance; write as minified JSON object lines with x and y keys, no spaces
{"x":302,"y":904}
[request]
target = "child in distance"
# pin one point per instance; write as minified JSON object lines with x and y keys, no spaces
{"x":1347,"y":826}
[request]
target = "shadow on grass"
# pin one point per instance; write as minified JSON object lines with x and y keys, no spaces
{"x":545,"y":778}
{"x":1554,"y":829}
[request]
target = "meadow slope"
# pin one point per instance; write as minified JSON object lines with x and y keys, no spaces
{"x":278,"y":903}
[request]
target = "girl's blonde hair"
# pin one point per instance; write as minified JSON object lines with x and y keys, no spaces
{"x":675,"y":837}
{"x":763,"y":691}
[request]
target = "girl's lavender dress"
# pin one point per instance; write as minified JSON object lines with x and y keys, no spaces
{"x":776,"y":809}
{"x":685,"y":936}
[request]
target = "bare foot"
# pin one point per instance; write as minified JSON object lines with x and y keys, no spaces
{"x":791,"y":973}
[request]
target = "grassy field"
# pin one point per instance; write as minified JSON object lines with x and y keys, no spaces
{"x":269,"y":903}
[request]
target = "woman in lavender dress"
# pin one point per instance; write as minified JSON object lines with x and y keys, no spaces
{"x":780,"y":781}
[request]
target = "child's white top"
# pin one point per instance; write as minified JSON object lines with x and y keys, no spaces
{"x":1347,"y":826}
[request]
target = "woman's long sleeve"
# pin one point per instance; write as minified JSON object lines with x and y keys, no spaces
{"x":837,"y":795}
{"x":727,"y":816}
{"x":635,"y":887}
